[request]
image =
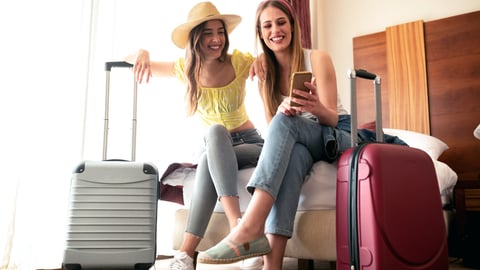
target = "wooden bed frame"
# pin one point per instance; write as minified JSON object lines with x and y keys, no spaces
{"x":451,"y":85}
{"x":452,"y":55}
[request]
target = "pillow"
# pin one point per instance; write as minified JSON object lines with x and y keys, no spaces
{"x":447,"y":178}
{"x":433,"y":146}
{"x":370,"y":126}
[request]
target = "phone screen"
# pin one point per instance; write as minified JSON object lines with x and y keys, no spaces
{"x":297,"y":82}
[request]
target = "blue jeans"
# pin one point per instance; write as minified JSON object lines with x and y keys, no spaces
{"x":217,"y":171}
{"x":293,"y":144}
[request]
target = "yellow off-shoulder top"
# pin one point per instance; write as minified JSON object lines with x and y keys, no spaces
{"x":223,"y":105}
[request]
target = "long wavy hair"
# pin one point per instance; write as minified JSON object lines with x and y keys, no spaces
{"x":193,"y":65}
{"x":269,"y":89}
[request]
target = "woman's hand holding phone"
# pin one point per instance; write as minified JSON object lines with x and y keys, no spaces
{"x":306,"y":96}
{"x":298,"y":82}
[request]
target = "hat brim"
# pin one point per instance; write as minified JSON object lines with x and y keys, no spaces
{"x":181,"y":32}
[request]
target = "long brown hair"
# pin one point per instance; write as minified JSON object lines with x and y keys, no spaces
{"x":269,"y":89}
{"x":193,"y":64}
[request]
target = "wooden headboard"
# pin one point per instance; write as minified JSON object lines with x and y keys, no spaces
{"x":452,"y":76}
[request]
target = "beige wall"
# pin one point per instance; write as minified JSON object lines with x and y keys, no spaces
{"x":338,"y":21}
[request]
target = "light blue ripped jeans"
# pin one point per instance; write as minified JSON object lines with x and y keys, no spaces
{"x":217,"y":171}
{"x":292,"y":146}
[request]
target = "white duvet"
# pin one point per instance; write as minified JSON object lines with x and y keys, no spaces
{"x":319,"y":190}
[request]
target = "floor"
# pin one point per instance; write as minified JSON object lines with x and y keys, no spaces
{"x":289,"y":264}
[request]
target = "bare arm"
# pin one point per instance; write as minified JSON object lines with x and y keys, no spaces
{"x":258,"y":68}
{"x":268,"y":116}
{"x":326,"y":82}
{"x":322,"y":99}
{"x":144,"y":68}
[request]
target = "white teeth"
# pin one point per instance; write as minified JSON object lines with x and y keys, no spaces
{"x":277,"y":38}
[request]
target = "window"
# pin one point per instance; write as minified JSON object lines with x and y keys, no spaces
{"x":51,"y":106}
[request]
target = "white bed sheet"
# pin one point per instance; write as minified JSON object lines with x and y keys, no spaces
{"x":318,"y":192}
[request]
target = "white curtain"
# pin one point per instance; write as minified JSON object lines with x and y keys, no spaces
{"x":52,"y":85}
{"x":42,"y":95}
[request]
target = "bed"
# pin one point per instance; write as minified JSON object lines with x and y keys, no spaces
{"x":427,"y":126}
{"x":316,"y":208}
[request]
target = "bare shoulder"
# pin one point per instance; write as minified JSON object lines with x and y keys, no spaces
{"x":322,"y":64}
{"x":319,"y":55}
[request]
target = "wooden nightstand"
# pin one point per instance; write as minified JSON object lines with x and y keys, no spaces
{"x":467,"y":204}
{"x":467,"y":198}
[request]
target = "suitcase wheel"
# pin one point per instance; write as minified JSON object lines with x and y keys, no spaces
{"x":71,"y":266}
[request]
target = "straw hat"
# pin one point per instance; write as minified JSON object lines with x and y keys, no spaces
{"x":202,"y":12}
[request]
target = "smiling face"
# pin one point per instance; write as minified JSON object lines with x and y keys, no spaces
{"x":212,"y":40}
{"x":275,"y":29}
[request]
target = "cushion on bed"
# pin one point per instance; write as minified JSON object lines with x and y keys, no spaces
{"x":370,"y":126}
{"x":433,"y":146}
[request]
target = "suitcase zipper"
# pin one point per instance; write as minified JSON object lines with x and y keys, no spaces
{"x":352,"y":208}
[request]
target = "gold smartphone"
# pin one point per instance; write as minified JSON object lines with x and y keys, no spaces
{"x":297,"y":82}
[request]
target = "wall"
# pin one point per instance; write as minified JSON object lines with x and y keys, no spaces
{"x":339,"y":21}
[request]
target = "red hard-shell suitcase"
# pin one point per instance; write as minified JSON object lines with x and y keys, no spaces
{"x":389,"y":212}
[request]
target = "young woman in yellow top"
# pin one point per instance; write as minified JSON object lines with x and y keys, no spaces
{"x":216,"y":92}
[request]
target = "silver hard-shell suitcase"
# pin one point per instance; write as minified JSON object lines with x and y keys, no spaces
{"x":112,"y":208}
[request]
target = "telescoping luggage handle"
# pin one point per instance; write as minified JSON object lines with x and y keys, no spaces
{"x":352,"y":75}
{"x":108,"y":68}
{"x":353,"y":242}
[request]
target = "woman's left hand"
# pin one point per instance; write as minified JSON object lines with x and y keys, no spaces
{"x":307,"y":101}
{"x":286,"y":108}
